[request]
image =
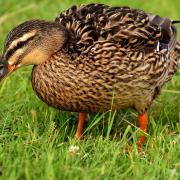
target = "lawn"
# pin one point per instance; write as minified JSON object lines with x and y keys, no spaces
{"x":36,"y":141}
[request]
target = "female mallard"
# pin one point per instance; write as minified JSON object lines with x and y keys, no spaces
{"x":93,"y":55}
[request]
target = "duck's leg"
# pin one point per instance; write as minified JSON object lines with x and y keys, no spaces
{"x":80,"y":128}
{"x":143,"y":121}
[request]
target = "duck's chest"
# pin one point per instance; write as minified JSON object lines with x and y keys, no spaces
{"x":71,"y":88}
{"x":54,"y":86}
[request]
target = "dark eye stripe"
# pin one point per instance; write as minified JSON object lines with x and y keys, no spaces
{"x":18,"y":46}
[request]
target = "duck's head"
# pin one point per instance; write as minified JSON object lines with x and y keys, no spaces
{"x":31,"y":42}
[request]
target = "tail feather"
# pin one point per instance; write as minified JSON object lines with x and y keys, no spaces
{"x":168,"y":30}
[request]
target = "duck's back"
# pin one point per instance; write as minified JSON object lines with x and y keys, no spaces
{"x":129,"y":28}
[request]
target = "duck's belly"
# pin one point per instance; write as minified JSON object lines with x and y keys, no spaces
{"x":89,"y":94}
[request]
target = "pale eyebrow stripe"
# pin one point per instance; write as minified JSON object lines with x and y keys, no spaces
{"x":23,"y":38}
{"x":19,"y":45}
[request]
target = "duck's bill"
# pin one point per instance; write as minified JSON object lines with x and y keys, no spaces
{"x":5,"y":70}
{"x":11,"y":68}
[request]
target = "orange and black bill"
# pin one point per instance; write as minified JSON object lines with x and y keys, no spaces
{"x":5,"y":68}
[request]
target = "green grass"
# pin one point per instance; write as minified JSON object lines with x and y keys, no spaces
{"x":35,"y":139}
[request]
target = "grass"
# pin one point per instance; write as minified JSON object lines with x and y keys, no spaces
{"x":35,"y":139}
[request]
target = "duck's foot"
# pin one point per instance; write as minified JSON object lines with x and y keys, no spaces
{"x":81,"y":120}
{"x":143,"y":122}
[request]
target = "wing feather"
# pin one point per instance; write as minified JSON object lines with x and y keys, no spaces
{"x":129,"y":28}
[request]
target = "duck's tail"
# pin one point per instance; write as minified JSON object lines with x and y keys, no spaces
{"x":168,"y":29}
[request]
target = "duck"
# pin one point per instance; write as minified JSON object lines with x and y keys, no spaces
{"x":96,"y":58}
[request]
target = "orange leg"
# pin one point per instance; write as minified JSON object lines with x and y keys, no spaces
{"x":143,"y":121}
{"x":81,"y":120}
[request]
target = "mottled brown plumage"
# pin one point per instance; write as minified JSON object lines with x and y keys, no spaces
{"x":95,"y":57}
{"x":111,"y":59}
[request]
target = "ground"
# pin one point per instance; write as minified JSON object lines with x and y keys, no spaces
{"x":36,"y":141}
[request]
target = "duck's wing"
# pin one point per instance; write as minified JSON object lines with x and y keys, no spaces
{"x":123,"y":26}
